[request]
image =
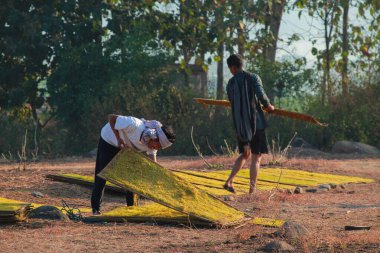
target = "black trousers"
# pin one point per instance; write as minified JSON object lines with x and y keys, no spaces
{"x":104,"y":155}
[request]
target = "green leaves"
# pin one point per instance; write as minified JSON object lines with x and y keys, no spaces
{"x":217,"y":58}
{"x":314,"y":51}
{"x":129,"y":63}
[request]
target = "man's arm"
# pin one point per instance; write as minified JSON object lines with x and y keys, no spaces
{"x":151,"y":154}
{"x":229,"y":90}
{"x":112,"y":120}
{"x":260,"y":93}
{"x":153,"y":158}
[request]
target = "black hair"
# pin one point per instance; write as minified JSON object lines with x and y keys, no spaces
{"x":235,"y":60}
{"x":169,"y":132}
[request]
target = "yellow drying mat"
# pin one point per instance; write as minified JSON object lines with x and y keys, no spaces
{"x":135,"y":172}
{"x":161,"y":214}
{"x":11,"y":205}
{"x":268,"y":177}
{"x":82,"y":180}
{"x":12,"y":210}
{"x":213,"y":181}
{"x":267,"y":222}
{"x":212,"y":186}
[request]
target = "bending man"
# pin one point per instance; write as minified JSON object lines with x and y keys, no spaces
{"x":127,"y":131}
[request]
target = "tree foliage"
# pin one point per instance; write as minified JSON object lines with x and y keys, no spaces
{"x":65,"y":65}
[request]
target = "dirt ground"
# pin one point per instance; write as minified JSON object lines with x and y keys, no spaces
{"x":324,"y":214}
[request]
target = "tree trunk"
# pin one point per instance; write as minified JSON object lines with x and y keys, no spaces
{"x":203,"y":79}
{"x":274,"y":22}
{"x":346,"y":5}
{"x":220,"y":90}
{"x":323,"y":83}
{"x":97,"y":14}
{"x":185,"y":71}
{"x":219,"y":82}
{"x":237,"y":7}
{"x":241,"y":40}
{"x":38,"y":129}
{"x":266,"y":27}
{"x":221,"y":35}
{"x":184,"y":48}
{"x":323,"y":88}
{"x":328,"y":76}
{"x":327,"y":57}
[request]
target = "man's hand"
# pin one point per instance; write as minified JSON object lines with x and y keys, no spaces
{"x":270,"y":108}
{"x":120,"y":143}
{"x":247,"y":151}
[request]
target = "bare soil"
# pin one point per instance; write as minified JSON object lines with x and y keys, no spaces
{"x":324,"y":214}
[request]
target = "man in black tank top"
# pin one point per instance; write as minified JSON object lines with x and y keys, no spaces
{"x":246,"y":95}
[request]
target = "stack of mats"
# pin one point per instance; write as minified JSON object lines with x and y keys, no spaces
{"x":13,"y":210}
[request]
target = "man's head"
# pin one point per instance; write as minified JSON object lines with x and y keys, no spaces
{"x":169,"y":134}
{"x":235,"y":63}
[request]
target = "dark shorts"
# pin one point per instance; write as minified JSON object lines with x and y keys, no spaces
{"x":258,"y":143}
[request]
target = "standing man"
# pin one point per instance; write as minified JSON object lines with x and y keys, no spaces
{"x":127,"y":131}
{"x":245,"y":93}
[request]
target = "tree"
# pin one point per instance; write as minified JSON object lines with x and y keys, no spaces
{"x":328,"y":12}
{"x":273,"y":17}
{"x":27,"y":52}
{"x":221,"y":34}
{"x":187,"y":31}
{"x":345,"y":46}
{"x":35,"y":34}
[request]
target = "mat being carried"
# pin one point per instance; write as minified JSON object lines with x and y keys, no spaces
{"x":135,"y":172}
{"x":280,"y":112}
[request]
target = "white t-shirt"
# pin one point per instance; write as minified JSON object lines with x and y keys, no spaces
{"x":127,"y":126}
